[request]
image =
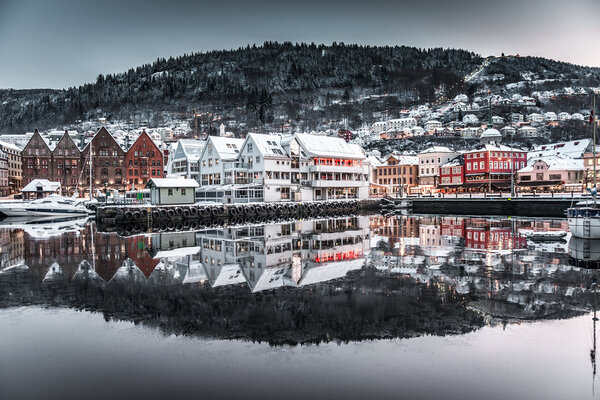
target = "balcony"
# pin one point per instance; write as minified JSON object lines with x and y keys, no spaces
{"x":336,"y":168}
{"x":243,"y":165}
{"x":337,"y":184}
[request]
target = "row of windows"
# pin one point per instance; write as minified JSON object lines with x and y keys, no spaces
{"x":496,"y":165}
{"x":395,"y":181}
{"x":394,"y":170}
{"x":495,"y":154}
{"x":134,"y":172}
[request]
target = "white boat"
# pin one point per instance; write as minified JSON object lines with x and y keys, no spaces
{"x":52,"y":206}
{"x":584,"y":252}
{"x":584,"y":218}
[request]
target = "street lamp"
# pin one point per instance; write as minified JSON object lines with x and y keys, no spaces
{"x":512,"y":165}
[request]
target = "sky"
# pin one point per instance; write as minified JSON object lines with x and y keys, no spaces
{"x":63,"y":43}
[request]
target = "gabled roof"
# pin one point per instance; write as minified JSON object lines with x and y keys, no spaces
{"x":268,"y":145}
{"x":271,"y":278}
{"x":555,"y":163}
{"x":144,"y":134}
{"x":437,"y":149}
{"x":191,"y":148}
{"x":328,"y":146}
{"x":103,"y":130}
{"x":68,"y":138}
{"x":229,"y":274}
{"x":37,"y":135}
{"x":402,"y":159}
{"x":330,"y":271}
{"x":227,"y":148}
{"x":44,"y":184}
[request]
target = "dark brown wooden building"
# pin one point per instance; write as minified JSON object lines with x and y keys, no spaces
{"x":108,"y":159}
{"x":66,"y":169}
{"x":36,"y":159}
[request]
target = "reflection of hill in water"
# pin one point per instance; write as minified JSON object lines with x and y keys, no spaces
{"x":306,"y":281}
{"x":363,"y":306}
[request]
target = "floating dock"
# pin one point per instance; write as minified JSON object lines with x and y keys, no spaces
{"x":133,"y":219}
{"x":520,"y":206}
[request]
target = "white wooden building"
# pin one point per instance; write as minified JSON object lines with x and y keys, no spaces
{"x":172,"y":191}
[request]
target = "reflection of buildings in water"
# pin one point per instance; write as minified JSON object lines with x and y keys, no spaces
{"x":399,"y":230}
{"x":11,"y":247}
{"x":492,"y":234}
{"x":493,"y":261}
{"x":278,"y":255}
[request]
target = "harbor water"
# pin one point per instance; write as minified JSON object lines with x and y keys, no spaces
{"x":414,"y":307}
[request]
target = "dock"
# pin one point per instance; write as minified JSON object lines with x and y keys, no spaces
{"x":520,"y":206}
{"x":134,"y":219}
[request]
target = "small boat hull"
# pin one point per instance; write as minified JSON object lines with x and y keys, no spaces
{"x":585,"y":227}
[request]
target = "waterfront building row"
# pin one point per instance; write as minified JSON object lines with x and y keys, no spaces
{"x":112,"y":167}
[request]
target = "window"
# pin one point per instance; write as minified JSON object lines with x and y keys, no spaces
{"x":183,"y":192}
{"x":170,"y":192}
{"x":249,"y":147}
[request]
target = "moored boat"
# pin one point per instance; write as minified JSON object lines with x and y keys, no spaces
{"x":47,"y":207}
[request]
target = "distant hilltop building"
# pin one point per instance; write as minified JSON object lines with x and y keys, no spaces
{"x":490,"y":136}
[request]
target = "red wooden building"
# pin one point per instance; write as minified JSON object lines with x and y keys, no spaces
{"x":490,"y":167}
{"x":452,"y":175}
{"x":143,"y":161}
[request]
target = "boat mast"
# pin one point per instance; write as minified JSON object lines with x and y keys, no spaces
{"x":593,"y":350}
{"x":91,"y":141}
{"x":593,"y":121}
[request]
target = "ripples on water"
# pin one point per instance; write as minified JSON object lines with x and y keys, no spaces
{"x":341,"y":280}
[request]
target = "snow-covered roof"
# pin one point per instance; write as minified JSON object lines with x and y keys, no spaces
{"x":572,"y":149}
{"x":437,"y":149}
{"x":191,"y":148}
{"x":227,"y":148}
{"x":328,"y":146}
{"x":180,"y":252}
{"x":491,"y":132}
{"x":43,"y":185}
{"x":10,"y":146}
{"x":268,"y":145}
{"x":330,"y":271}
{"x":375,"y":161}
{"x":404,"y":159}
{"x":273,"y":277}
{"x":172,"y":183}
{"x":555,"y":163}
{"x":495,"y":147}
{"x":455,"y":162}
{"x":230,"y":274}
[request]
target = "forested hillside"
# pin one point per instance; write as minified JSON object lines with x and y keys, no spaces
{"x":271,"y":84}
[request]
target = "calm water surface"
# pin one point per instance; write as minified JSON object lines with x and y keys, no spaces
{"x":362,"y":307}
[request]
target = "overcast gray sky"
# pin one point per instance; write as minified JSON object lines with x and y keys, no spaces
{"x":61,"y":43}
